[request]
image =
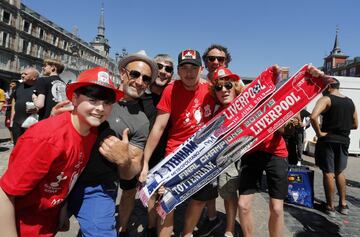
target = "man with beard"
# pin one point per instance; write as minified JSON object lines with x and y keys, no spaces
{"x":93,"y":198}
{"x":149,"y":101}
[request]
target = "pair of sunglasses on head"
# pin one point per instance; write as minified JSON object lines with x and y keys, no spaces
{"x":228,"y":86}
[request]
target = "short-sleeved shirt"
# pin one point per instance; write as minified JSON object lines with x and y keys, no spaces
{"x":148,"y":102}
{"x":53,"y":88}
{"x":273,"y":144}
{"x":189,"y":111}
{"x":124,"y":115}
{"x":43,"y":167}
{"x":22,"y":95}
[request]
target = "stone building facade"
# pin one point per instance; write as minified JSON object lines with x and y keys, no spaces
{"x":26,"y":38}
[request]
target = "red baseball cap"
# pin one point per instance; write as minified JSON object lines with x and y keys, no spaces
{"x":222,"y":72}
{"x":94,"y":76}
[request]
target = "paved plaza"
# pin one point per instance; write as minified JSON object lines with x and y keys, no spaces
{"x":299,"y":221}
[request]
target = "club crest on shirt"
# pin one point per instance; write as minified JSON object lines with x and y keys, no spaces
{"x":58,"y":91}
{"x":54,"y":187}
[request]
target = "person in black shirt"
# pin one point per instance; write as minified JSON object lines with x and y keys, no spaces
{"x":149,"y":101}
{"x":23,"y":94}
{"x":50,"y":89}
{"x":339,"y":116}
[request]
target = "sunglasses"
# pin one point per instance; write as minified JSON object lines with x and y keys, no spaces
{"x":168,"y":69}
{"x":219,"y":58}
{"x":228,"y":85}
{"x":136,"y":74}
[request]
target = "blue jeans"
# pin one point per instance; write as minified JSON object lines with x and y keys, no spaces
{"x":94,"y":208}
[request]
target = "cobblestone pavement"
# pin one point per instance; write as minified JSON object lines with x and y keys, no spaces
{"x":299,"y":221}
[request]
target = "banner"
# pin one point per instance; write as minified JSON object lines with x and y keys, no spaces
{"x":211,"y":133}
{"x":273,"y":113}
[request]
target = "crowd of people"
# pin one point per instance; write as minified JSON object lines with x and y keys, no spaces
{"x":89,"y":138}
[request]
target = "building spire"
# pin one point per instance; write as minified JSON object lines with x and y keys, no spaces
{"x":101,"y":27}
{"x":100,"y":42}
{"x":336,"y":50}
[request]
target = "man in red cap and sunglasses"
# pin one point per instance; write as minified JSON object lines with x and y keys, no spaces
{"x":50,"y":156}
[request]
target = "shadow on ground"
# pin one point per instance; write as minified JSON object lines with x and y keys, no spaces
{"x":138,"y":221}
{"x":313,"y":224}
{"x":3,"y":145}
{"x":352,"y":183}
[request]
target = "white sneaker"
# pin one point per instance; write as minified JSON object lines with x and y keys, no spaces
{"x":298,"y":163}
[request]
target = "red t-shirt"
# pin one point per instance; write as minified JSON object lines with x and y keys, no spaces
{"x":189,"y":111}
{"x":43,"y":167}
{"x":274,"y":144}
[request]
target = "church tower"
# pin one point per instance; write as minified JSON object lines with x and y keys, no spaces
{"x":100,"y":42}
{"x":336,"y":56}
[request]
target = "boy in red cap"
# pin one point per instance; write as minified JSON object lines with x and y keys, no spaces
{"x":50,"y":156}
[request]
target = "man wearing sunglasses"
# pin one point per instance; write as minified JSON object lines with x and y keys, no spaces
{"x":149,"y":101}
{"x":187,"y":105}
{"x":93,"y":198}
{"x":215,"y":56}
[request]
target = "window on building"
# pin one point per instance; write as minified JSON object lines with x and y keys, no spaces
{"x":64,"y":57}
{"x":328,"y":66}
{"x":6,"y":17}
{"x":65,"y":45}
{"x":27,"y":26}
{"x":26,"y":46}
{"x":4,"y":39}
{"x":41,"y":33}
{"x":40,"y":52}
{"x":343,"y":72}
{"x":55,"y":40}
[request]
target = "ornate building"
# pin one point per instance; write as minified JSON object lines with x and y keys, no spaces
{"x":338,"y":64}
{"x":26,"y":38}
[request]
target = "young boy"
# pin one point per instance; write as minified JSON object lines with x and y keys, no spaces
{"x":51,"y":155}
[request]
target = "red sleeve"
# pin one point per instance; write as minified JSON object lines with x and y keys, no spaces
{"x":29,"y":162}
{"x":165,"y":100}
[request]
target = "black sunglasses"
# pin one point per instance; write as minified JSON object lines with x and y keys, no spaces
{"x":136,"y":74}
{"x":228,"y":85}
{"x":219,"y":58}
{"x":168,"y":69}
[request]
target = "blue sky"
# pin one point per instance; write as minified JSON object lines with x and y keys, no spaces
{"x":258,"y":33}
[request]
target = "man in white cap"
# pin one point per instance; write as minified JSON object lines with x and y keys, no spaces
{"x":93,"y":198}
{"x":50,"y":156}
